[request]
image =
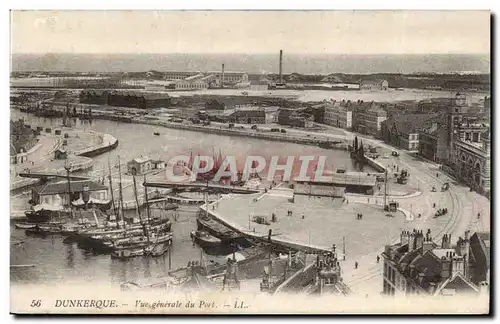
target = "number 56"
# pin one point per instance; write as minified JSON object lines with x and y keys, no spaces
{"x":36,"y":303}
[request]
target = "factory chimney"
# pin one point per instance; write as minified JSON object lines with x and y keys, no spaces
{"x":222,"y":77}
{"x":281,"y":66}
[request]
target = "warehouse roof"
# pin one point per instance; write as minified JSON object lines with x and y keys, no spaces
{"x":62,"y":187}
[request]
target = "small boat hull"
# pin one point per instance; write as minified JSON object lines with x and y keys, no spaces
{"x":25,"y":226}
{"x":206,"y":241}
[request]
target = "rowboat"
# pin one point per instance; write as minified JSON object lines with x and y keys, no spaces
{"x":25,"y":225}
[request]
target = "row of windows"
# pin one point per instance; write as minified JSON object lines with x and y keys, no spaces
{"x":389,"y":272}
{"x":190,"y":86}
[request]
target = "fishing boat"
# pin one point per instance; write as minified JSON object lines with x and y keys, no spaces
{"x":157,"y":244}
{"x":46,"y":228}
{"x":25,"y":226}
{"x":216,"y":229}
{"x":152,"y":239}
{"x":205,"y":240}
{"x":45,"y":212}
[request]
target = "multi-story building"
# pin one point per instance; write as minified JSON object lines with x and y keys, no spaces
{"x":469,"y":141}
{"x":248,"y":116}
{"x":368,"y":118}
{"x":132,"y":99}
{"x":230,"y":77}
{"x":403,"y":130}
{"x":22,"y":139}
{"x":433,"y":140}
{"x":172,"y":75}
{"x":417,"y":265}
{"x":470,"y":161}
{"x":338,"y":114}
{"x":291,"y":117}
{"x":188,"y":84}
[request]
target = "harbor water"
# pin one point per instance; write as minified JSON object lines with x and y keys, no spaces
{"x":53,"y":262}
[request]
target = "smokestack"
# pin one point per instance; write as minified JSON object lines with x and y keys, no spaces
{"x":222,"y":77}
{"x":281,"y":66}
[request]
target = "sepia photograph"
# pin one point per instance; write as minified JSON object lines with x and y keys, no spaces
{"x":250,"y":162}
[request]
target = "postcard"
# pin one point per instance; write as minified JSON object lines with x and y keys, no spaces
{"x":250,"y":162}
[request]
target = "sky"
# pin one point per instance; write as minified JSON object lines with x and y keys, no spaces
{"x":305,"y":32}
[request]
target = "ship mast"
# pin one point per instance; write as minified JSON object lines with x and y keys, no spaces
{"x":147,"y":202}
{"x":121,"y":189}
{"x":111,"y":189}
{"x":139,"y":210}
{"x":67,"y":167}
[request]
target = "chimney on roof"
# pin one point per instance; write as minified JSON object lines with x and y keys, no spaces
{"x":419,"y":240}
{"x":404,"y":237}
{"x":222,"y":77}
{"x":427,"y":245}
{"x":411,"y":241}
{"x":281,"y":66}
{"x":445,"y":242}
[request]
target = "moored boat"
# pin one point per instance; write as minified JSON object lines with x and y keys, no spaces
{"x":205,"y":240}
{"x":153,"y":245}
{"x":25,"y":225}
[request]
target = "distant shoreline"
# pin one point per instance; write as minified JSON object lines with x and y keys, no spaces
{"x":254,"y":63}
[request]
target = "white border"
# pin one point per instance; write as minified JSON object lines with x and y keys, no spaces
{"x":148,"y":4}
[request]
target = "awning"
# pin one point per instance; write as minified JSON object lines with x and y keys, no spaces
{"x":80,"y":202}
{"x":48,"y":207}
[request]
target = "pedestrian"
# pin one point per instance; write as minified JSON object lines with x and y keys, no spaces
{"x":478,"y":215}
{"x":356,"y":265}
{"x":378,"y":259}
{"x":303,"y":216}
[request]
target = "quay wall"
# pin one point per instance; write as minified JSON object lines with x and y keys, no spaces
{"x":375,"y":164}
{"x":308,"y":248}
{"x":109,"y":143}
{"x":236,"y":132}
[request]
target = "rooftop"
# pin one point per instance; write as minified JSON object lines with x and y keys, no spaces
{"x":140,"y":160}
{"x":62,"y":187}
{"x":225,"y":72}
{"x":410,"y":123}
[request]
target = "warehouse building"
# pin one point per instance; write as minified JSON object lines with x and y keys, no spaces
{"x":132,"y":99}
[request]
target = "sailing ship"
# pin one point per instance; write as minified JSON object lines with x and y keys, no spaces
{"x":153,"y":240}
